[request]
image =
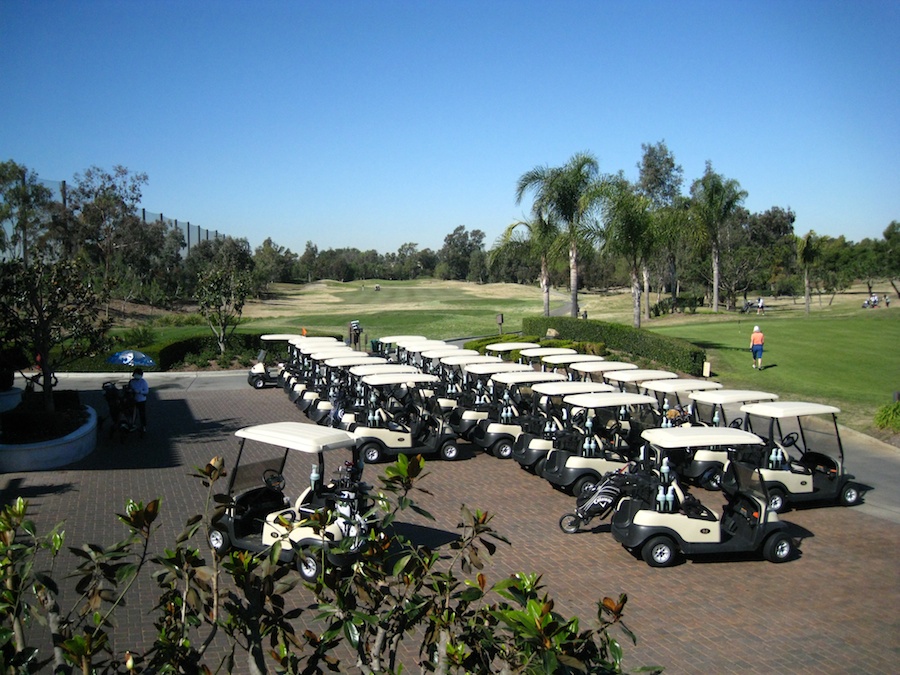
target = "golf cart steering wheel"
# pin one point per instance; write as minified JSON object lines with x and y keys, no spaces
{"x":790,"y":439}
{"x":273,"y":479}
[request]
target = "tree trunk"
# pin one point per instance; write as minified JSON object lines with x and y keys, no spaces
{"x":806,"y":288}
{"x":573,"y":276}
{"x":545,"y":285}
{"x":636,"y":296}
{"x":646,"y":273}
{"x":715,"y":279}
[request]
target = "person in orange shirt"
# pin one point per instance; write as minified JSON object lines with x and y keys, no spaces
{"x":757,"y":339}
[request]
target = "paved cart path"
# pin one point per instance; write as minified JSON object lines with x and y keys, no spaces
{"x":836,"y":609}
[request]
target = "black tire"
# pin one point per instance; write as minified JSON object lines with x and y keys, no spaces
{"x":309,"y":564}
{"x":778,"y":548}
{"x":777,"y":500}
{"x":503,"y":449}
{"x":712,"y":479}
{"x":450,"y":451}
{"x":850,"y":495}
{"x":659,"y":551}
{"x":258,"y":383}
{"x":371,"y":453}
{"x":570,"y":523}
{"x":583,"y":484}
{"x":538,"y":467}
{"x":218,"y":540}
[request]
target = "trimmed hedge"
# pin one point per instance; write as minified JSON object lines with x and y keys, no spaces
{"x":670,"y":352}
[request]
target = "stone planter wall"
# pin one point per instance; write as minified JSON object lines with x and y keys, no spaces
{"x":51,"y":454}
{"x":10,"y":398}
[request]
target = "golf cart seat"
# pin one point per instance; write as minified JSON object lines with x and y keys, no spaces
{"x":692,"y":508}
{"x":817,"y":461}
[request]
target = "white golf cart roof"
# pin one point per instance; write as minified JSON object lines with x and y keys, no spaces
{"x":566,"y":388}
{"x":495,"y":367}
{"x":279,"y":337}
{"x":608,"y":399}
{"x":312,"y":348}
{"x":418,"y":346}
{"x":509,"y":346}
{"x":680,"y":385}
{"x":304,"y":437}
{"x":696,"y":437}
{"x":546,"y":351}
{"x":387,"y":379}
{"x":325,"y":354}
{"x":449,"y":350}
{"x":566,"y":359}
{"x":300,"y":341}
{"x":639,"y":375}
{"x":726,"y":396}
{"x":360,"y":360}
{"x":782,"y":409}
{"x":463,"y":359}
{"x":381,"y":369}
{"x":524,"y":377}
{"x":390,"y":339}
{"x":601,"y":366}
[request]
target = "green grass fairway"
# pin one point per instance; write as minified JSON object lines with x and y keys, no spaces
{"x":850,"y":361}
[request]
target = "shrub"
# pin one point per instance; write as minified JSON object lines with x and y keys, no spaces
{"x":673,"y":353}
{"x":888,"y":417}
{"x":139,"y":336}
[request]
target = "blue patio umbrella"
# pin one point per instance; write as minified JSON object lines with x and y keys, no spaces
{"x":131,"y":357}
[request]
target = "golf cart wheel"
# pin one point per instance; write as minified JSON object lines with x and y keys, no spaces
{"x":712,"y":479}
{"x":309,"y":564}
{"x":503,"y":449}
{"x":583,"y":485}
{"x":850,"y":495}
{"x":778,"y":548}
{"x":659,"y":552}
{"x":538,"y":468}
{"x":777,"y":501}
{"x":218,"y":540}
{"x":450,"y":451}
{"x":570,"y":523}
{"x":258,"y":383}
{"x":371,"y":453}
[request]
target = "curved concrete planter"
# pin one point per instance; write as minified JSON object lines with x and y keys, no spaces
{"x":51,"y":454}
{"x":10,"y":398}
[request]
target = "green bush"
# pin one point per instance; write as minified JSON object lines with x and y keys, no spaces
{"x":670,"y":352}
{"x":139,"y":336}
{"x":888,"y":417}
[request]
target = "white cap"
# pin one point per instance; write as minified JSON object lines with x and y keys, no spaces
{"x":755,"y":329}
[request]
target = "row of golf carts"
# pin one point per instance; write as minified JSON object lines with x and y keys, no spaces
{"x":622,"y":440}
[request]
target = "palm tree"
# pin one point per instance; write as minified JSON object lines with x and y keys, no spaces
{"x":558,"y":193}
{"x":627,"y":229}
{"x":714,"y":201}
{"x":541,"y":234}
{"x":809,"y":248}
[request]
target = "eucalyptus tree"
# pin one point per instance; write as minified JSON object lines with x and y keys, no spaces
{"x":627,"y":228}
{"x":808,"y":252}
{"x":891,"y":254}
{"x":714,"y":199}
{"x":24,"y":204}
{"x":660,"y":181}
{"x":541,"y":234}
{"x":559,"y":194}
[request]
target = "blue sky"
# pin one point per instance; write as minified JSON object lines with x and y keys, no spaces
{"x":372,"y":124}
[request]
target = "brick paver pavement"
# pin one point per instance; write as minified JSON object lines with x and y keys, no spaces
{"x":833,"y":610}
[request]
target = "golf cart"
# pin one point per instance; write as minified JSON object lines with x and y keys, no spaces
{"x":633,"y":379}
{"x":267,"y":369}
{"x":356,"y":391}
{"x":387,"y":346}
{"x":326,"y":521}
{"x":817,"y":474}
{"x":667,"y":523}
{"x":328,"y":409}
{"x":593,"y":371}
{"x":603,"y":434}
{"x":554,"y":362}
{"x":316,"y":375}
{"x":533,"y":355}
{"x":402,"y":417}
{"x":504,"y":348}
{"x":473,"y":399}
{"x":716,"y":407}
{"x":511,"y":396}
{"x":548,"y":417}
{"x":699,"y":454}
{"x":672,"y":397}
{"x":294,"y":366}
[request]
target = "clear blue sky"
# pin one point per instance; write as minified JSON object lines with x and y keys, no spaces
{"x":375,"y":123}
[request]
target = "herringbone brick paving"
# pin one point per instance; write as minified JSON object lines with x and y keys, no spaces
{"x":833,"y":610}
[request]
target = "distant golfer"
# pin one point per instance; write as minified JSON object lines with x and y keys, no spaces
{"x":757,"y":339}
